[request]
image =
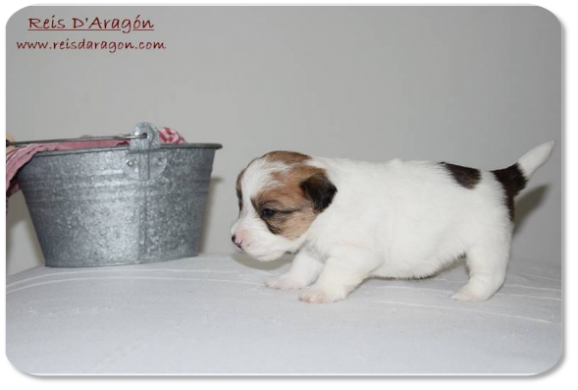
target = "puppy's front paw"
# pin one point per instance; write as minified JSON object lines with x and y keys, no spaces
{"x":315,"y":294}
{"x":284,"y":282}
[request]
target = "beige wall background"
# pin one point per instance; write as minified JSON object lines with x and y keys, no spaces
{"x":476,"y":86}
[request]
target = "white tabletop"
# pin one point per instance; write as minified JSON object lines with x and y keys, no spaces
{"x":213,"y":315}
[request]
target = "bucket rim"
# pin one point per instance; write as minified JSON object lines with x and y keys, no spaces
{"x":49,"y":153}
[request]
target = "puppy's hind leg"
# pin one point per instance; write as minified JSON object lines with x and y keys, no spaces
{"x":345,"y":269}
{"x":487,"y":265}
{"x":304,"y":270}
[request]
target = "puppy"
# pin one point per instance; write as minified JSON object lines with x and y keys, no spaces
{"x":350,"y":220}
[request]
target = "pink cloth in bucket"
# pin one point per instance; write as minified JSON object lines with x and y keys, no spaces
{"x":18,"y":157}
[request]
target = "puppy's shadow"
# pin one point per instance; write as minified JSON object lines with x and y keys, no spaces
{"x":267,"y":266}
{"x":528,"y":203}
{"x":460,"y":262}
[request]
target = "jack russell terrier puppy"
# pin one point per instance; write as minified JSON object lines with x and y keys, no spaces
{"x":351,"y":220}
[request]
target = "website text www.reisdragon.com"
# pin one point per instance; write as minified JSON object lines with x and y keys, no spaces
{"x":86,"y":44}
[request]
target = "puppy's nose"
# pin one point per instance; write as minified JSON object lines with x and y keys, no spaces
{"x":236,"y":242}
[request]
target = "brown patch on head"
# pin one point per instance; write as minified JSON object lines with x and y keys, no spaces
{"x":289,"y":158}
{"x":295,"y":197}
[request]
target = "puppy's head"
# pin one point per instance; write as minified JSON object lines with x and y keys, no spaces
{"x":280,"y":194}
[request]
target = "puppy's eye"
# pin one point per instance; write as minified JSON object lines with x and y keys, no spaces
{"x":267,"y":213}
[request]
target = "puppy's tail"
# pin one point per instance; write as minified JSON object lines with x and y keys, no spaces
{"x":515,"y":177}
{"x":535,"y":158}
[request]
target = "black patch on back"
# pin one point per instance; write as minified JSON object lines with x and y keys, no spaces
{"x":466,"y":177}
{"x":513,"y":181}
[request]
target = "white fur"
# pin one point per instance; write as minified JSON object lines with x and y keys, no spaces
{"x":400,"y":219}
{"x":535,"y":158}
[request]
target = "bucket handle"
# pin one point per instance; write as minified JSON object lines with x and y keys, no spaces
{"x":121,"y":137}
{"x":142,"y":163}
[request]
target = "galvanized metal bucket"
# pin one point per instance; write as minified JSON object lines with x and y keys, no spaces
{"x":131,"y":204}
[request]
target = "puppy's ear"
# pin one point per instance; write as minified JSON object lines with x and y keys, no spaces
{"x":238,"y":188}
{"x":320,"y":190}
{"x":239,"y":180}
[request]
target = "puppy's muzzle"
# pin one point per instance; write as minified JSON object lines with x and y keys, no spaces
{"x":238,"y":243}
